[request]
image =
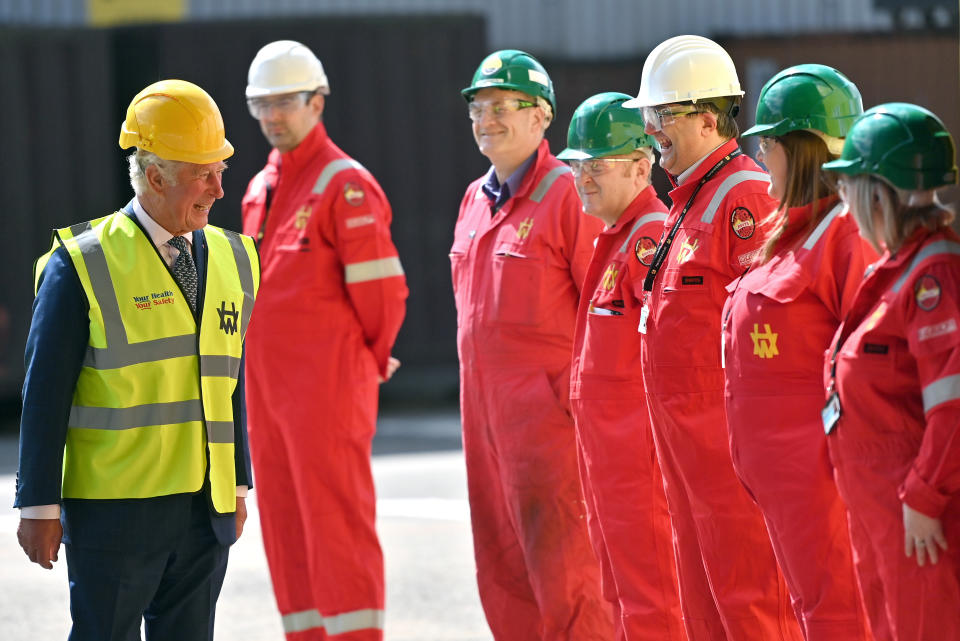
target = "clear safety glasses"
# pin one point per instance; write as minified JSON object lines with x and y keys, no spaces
{"x":497,"y":108}
{"x":596,"y":166}
{"x":284,"y":104}
{"x":767,"y":143}
{"x":659,"y":117}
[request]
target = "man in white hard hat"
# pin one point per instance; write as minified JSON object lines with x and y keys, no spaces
{"x":132,"y":442}
{"x":731,"y":588}
{"x":334,"y":297}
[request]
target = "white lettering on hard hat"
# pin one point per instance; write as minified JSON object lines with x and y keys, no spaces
{"x":536,"y":76}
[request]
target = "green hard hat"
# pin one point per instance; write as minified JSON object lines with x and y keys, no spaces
{"x":512,"y":69}
{"x":601,"y":126}
{"x":903,"y":143}
{"x":807,"y":97}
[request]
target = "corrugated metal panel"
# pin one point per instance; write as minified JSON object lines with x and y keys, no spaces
{"x":595,"y":30}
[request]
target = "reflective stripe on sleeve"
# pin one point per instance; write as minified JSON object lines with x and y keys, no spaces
{"x":547,"y":182}
{"x":729,"y":183}
{"x":373,"y":270}
{"x":822,"y":227}
{"x":334,"y":625}
{"x":933,"y":249}
{"x":332,"y":170}
{"x":941,"y":391}
{"x":643,"y":220}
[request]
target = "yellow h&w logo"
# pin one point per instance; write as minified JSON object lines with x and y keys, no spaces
{"x":765,"y":344}
{"x":302,"y":216}
{"x":524,"y":229}
{"x":609,"y":278}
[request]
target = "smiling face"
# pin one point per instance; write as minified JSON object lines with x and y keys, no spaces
{"x":184,"y":206}
{"x":686,"y":139}
{"x":509,"y":137}
{"x":607,"y":194}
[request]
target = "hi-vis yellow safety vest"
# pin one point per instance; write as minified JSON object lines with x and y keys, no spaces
{"x":153,"y":402}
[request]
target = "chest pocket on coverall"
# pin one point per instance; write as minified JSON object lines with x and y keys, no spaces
{"x":514,"y":294}
{"x":603,"y":337}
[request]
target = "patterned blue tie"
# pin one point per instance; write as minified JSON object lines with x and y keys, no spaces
{"x":185,"y":270}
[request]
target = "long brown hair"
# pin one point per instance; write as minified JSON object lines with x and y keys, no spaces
{"x":806,"y":183}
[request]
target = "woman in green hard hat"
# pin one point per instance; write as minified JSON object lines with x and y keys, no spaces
{"x":893,"y":376}
{"x":776,"y":325}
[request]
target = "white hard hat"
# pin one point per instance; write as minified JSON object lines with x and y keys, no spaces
{"x":285,"y":66}
{"x":686,"y":68}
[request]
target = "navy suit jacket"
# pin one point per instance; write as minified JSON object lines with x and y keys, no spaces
{"x":56,"y":345}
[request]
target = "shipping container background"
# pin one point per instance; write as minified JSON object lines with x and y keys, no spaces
{"x":395,"y":106}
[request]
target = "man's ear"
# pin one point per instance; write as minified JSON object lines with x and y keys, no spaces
{"x":708,"y":121}
{"x":155,"y":178}
{"x":644,"y":171}
{"x":320,"y":101}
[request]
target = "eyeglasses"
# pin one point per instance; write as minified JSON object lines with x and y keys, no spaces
{"x":766,"y":144}
{"x":659,"y":117}
{"x":284,"y":104}
{"x":497,"y":108}
{"x":596,"y":166}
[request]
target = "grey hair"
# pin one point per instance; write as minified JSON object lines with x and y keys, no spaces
{"x":547,"y":111}
{"x":140,"y":160}
{"x":866,"y":194}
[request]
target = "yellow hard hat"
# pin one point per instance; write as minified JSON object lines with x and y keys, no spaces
{"x":176,"y":120}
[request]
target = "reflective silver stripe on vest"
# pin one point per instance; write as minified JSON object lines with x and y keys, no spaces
{"x":547,"y":182}
{"x":226,"y":366}
{"x":79,"y":228}
{"x":933,"y":249}
{"x":245,"y":271}
{"x":336,"y":624}
{"x":646,"y":218}
{"x":120,"y":353}
{"x":148,"y":415}
{"x":125,"y":418}
{"x":332,"y":170}
{"x":220,"y":431}
{"x":373,"y":270}
{"x":822,"y":227}
{"x":941,"y":391}
{"x":729,"y":183}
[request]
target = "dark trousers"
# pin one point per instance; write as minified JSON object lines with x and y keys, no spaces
{"x":170,"y":580}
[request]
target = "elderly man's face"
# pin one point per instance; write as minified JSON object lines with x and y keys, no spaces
{"x":185,"y":206}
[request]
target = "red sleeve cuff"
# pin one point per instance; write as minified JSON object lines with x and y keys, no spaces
{"x":922,"y":497}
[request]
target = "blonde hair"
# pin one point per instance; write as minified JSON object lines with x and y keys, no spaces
{"x":871,"y":198}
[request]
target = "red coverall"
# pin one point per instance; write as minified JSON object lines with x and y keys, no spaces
{"x":516,"y":277}
{"x":730,"y":586}
{"x":898,"y":375}
{"x":778,"y":321}
{"x":626,"y":508}
{"x":333,"y":299}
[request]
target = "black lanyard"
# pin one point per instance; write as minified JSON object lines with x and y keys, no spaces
{"x":664,"y":247}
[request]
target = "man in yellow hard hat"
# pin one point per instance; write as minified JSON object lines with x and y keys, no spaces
{"x":133,"y":450}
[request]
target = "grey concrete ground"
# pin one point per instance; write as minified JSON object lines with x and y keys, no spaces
{"x":423,"y":520}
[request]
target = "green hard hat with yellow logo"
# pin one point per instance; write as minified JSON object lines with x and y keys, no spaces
{"x":905,"y":144}
{"x":807,"y":97}
{"x":601,"y":126}
{"x":512,"y":69}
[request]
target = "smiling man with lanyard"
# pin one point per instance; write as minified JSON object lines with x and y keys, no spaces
{"x":730,"y":586}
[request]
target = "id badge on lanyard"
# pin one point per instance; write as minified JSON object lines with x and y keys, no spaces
{"x":830,"y":414}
